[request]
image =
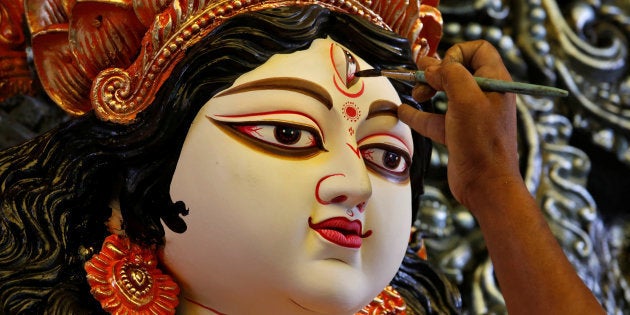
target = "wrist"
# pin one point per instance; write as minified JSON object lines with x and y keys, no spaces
{"x":495,"y":198}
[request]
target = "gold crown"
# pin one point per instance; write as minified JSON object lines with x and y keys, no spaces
{"x":113,"y":55}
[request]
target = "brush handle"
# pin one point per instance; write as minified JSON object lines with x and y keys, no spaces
{"x":492,"y":85}
{"x":488,"y":85}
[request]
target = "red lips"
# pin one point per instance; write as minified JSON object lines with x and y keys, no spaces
{"x":340,"y":231}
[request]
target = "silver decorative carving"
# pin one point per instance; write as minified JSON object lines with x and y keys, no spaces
{"x":581,"y":46}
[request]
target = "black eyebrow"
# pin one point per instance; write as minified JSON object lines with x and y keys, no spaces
{"x":284,"y":83}
{"x":382,"y":107}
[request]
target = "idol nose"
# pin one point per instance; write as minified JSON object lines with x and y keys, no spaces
{"x":347,"y":184}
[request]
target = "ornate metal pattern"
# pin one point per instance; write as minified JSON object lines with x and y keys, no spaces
{"x":582,"y":47}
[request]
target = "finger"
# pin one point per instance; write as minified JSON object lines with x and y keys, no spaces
{"x":458,"y":84}
{"x":422,"y":92}
{"x":425,"y":62}
{"x":485,"y":61}
{"x":427,"y":124}
{"x":480,"y":57}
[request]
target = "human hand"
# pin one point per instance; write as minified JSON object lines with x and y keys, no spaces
{"x":479,"y":128}
{"x":479,"y":131}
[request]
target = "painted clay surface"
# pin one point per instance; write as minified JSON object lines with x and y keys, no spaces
{"x":324,"y":216}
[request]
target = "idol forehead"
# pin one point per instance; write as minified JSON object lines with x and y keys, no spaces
{"x":319,"y":57}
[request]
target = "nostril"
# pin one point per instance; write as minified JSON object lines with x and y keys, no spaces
{"x":361,"y":207}
{"x":339,"y":199}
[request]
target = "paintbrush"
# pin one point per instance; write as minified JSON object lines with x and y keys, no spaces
{"x":488,"y":85}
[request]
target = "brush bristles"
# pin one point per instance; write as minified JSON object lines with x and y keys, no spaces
{"x":368,"y":73}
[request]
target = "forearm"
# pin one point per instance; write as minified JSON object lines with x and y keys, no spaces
{"x":479,"y":130}
{"x":534,"y":274}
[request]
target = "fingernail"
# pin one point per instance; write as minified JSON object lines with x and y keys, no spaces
{"x":422,"y":92}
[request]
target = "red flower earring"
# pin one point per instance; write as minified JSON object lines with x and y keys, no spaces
{"x":125,"y":279}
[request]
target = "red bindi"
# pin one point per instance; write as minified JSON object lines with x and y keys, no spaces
{"x":351,"y":112}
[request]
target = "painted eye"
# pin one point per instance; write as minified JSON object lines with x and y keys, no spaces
{"x":282,"y":135}
{"x":282,"y":138}
{"x":388,"y":161}
{"x":288,"y":135}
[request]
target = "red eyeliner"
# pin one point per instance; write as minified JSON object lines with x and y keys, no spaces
{"x":277,"y":112}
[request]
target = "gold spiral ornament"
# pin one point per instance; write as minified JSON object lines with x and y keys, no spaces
{"x":112,"y":96}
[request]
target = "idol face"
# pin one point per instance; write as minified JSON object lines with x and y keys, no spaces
{"x":297,"y":182}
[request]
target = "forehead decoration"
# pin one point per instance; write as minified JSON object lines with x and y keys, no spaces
{"x":345,"y":66}
{"x":111,"y":56}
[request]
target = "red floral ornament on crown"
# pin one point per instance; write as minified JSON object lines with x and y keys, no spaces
{"x":125,"y":279}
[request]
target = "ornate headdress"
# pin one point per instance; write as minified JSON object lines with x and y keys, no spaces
{"x":15,"y":77}
{"x":113,"y":55}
